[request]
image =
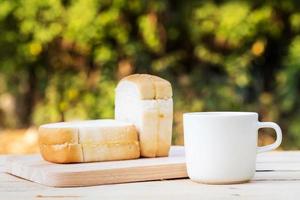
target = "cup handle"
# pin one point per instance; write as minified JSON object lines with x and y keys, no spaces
{"x":278,"y":136}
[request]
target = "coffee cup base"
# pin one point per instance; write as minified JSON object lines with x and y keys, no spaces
{"x":221,"y":182}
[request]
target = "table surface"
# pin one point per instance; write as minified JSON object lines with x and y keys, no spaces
{"x":277,"y":177}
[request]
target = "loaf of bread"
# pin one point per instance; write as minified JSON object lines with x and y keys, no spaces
{"x":88,"y":141}
{"x":146,"y":101}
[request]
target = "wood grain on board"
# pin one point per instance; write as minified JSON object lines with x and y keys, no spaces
{"x":35,"y":169}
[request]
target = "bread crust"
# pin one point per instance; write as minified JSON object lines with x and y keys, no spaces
{"x":163,"y":88}
{"x":62,"y":153}
{"x":150,"y":86}
{"x":165,"y":119}
{"x":111,"y":151}
{"x":98,"y":135}
{"x":156,"y":128}
{"x":58,"y":135}
{"x":148,"y":136}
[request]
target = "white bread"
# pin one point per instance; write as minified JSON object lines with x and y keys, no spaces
{"x":88,"y":141}
{"x":146,"y":101}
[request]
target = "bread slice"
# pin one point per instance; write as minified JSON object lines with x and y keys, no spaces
{"x":88,"y":141}
{"x":146,"y":101}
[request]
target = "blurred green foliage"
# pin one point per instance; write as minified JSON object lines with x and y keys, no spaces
{"x":61,"y":59}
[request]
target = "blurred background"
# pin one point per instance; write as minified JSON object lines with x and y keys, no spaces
{"x":60,"y":60}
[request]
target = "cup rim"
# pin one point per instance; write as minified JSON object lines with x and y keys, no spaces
{"x":220,"y":114}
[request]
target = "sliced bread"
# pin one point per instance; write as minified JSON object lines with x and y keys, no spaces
{"x":88,"y":141}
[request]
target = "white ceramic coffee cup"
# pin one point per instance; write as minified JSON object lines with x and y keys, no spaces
{"x":221,"y":147}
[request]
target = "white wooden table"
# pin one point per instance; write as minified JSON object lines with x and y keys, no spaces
{"x":278,"y":177}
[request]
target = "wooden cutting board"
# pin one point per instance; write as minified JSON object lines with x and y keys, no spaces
{"x":34,"y":168}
